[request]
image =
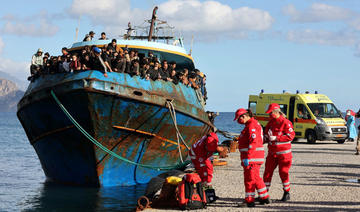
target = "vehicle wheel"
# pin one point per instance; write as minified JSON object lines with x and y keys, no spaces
{"x":310,"y":136}
{"x":341,"y":141}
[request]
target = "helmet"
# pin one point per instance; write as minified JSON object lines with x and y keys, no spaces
{"x":239,"y":112}
{"x":272,"y":106}
{"x":97,"y":50}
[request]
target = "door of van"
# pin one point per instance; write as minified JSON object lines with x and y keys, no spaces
{"x":302,"y":120}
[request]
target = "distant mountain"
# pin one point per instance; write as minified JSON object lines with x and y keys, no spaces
{"x":9,"y":95}
{"x":21,"y":84}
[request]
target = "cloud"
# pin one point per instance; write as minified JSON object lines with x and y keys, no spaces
{"x":13,"y":68}
{"x":16,"y":69}
{"x":206,"y":16}
{"x":2,"y":45}
{"x":33,"y":26}
{"x":323,"y":37}
{"x":318,"y":12}
{"x":210,"y":19}
{"x":357,"y":49}
{"x":355,"y":23}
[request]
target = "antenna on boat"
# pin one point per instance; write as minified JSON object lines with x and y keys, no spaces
{"x":153,"y":19}
{"x":77,"y":29}
{"x":191,"y":44}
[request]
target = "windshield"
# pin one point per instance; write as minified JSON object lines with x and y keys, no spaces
{"x":324,"y":110}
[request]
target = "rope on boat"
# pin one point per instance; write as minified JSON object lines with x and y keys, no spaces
{"x":98,"y":144}
{"x":172,"y":111}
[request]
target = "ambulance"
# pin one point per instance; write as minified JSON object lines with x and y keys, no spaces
{"x":314,"y":116}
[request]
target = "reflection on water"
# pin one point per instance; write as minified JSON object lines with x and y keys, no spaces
{"x":65,"y":198}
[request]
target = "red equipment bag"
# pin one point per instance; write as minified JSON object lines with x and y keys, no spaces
{"x":191,"y":194}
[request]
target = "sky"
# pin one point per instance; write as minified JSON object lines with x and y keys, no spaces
{"x":242,"y":46}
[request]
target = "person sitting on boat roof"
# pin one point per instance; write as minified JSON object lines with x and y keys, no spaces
{"x":54,"y":66}
{"x":46,"y":65}
{"x":90,"y":36}
{"x":64,"y":65}
{"x":36,"y":64}
{"x":64,"y":51}
{"x":47,"y":55}
{"x":112,"y":46}
{"x":103,"y":36}
{"x":99,"y":61}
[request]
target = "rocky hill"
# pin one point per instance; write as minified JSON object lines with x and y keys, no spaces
{"x":9,"y":95}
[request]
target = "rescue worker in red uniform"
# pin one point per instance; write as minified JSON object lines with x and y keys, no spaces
{"x":200,"y":153}
{"x":278,"y":134}
{"x":252,"y":156}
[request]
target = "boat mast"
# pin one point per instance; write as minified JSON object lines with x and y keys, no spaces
{"x":153,"y":18}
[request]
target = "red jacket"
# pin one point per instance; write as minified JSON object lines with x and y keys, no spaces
{"x":205,"y":147}
{"x":282,"y":128}
{"x":251,"y":143}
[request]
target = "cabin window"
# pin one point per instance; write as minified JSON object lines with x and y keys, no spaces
{"x":252,"y":106}
{"x":302,"y":112}
{"x":283,"y":109}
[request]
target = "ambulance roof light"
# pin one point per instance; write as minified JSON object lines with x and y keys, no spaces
{"x":316,"y":92}
{"x":297,"y":91}
{"x":284,"y":91}
{"x":262,"y":90}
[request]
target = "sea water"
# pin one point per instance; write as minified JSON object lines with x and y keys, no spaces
{"x":23,"y":187}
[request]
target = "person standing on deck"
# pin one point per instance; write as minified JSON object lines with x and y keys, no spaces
{"x":278,"y":134}
{"x":252,"y":156}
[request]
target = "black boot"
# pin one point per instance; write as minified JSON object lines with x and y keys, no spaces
{"x":286,"y":196}
{"x":246,"y":204}
{"x":250,"y":204}
{"x":264,"y":201}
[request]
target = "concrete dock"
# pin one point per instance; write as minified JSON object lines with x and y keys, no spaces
{"x":322,"y":179}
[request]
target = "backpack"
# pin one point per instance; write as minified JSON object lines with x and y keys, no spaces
{"x":191,"y":194}
{"x":210,"y":195}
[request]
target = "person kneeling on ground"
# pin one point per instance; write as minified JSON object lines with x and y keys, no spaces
{"x":200,"y":153}
{"x":252,"y":156}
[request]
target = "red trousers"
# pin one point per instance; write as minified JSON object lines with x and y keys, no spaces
{"x":252,"y":181}
{"x":284,"y":166}
{"x":204,"y":169}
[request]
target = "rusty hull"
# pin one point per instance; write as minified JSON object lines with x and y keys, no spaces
{"x":99,"y":104}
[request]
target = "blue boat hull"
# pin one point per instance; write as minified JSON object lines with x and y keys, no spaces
{"x":67,"y":156}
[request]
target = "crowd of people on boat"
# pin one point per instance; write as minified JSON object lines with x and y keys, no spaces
{"x":113,"y":58}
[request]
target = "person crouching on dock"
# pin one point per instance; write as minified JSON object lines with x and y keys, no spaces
{"x":200,"y":153}
{"x":278,"y":134}
{"x":252,"y":156}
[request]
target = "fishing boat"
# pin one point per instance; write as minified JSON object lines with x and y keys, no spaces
{"x":91,"y":130}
